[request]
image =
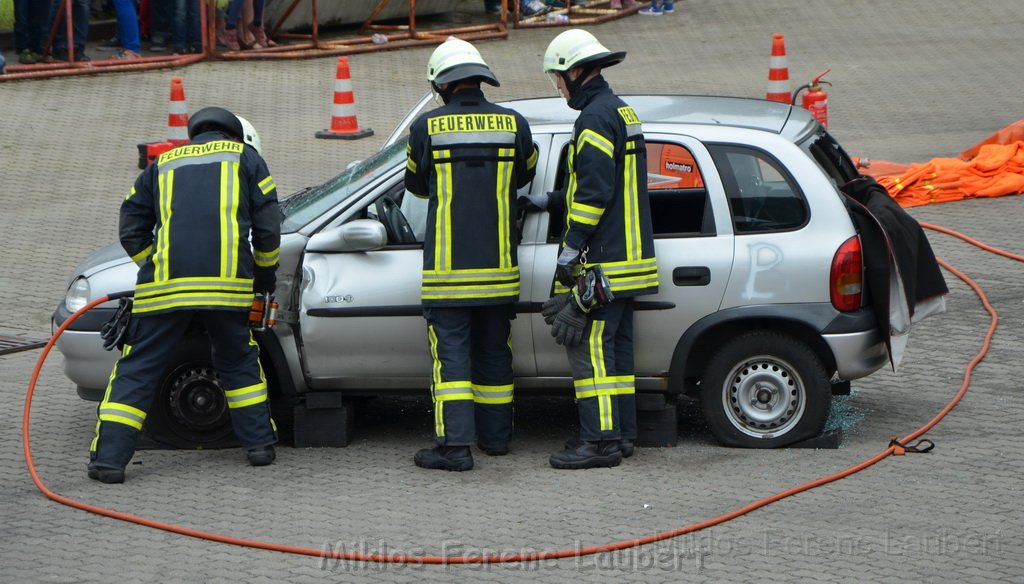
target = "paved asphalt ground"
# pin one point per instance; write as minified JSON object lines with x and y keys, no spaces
{"x":913,"y":79}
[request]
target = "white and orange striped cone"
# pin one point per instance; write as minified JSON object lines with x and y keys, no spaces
{"x":177,"y":126}
{"x":177,"y":113}
{"x":344,"y":124}
{"x":778,"y":72}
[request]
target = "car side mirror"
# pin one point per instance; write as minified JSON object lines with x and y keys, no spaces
{"x":357,"y":235}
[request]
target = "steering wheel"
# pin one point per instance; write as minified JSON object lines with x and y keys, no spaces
{"x":395,"y":223}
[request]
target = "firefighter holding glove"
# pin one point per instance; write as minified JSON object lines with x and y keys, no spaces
{"x":468,"y":158}
{"x":187,"y":222}
{"x":607,"y":242}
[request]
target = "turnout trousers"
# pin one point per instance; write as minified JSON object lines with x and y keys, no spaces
{"x":603,"y":374}
{"x":135,"y":380}
{"x":471,"y":376}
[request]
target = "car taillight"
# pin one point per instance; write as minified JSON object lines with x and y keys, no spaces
{"x":846,"y":280}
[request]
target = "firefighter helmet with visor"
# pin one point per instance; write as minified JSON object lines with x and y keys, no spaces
{"x":456,"y":60}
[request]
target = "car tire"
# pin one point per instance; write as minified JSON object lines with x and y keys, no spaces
{"x":190,"y":410}
{"x":765,"y":390}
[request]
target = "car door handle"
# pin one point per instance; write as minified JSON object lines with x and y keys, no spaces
{"x":691,"y":276}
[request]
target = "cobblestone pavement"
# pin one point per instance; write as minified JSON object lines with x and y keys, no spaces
{"x":914,"y":79}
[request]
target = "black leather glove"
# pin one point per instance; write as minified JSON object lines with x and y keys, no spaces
{"x":553,"y":306}
{"x":264,"y":281}
{"x":568,"y":325}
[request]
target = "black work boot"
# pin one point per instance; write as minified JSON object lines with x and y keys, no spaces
{"x":457,"y":458}
{"x":625,"y":445}
{"x":106,"y":474}
{"x":588,"y":455}
{"x":261,"y":455}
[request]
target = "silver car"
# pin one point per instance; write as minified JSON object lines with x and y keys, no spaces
{"x":760,"y":313}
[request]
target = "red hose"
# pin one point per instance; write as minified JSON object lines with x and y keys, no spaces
{"x":523,"y":557}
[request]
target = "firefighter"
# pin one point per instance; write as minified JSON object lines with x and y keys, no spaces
{"x":187,"y":223}
{"x":607,"y":223}
{"x":468,"y":158}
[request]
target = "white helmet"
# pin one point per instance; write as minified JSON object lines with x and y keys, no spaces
{"x":455,"y":60}
{"x":249,"y":135}
{"x":576,"y":47}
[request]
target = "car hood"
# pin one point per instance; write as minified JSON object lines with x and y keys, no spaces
{"x":104,"y":258}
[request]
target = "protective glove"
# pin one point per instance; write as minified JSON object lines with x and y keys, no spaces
{"x":553,"y":306}
{"x":539,"y":201}
{"x":264,"y":281}
{"x":568,"y":325}
{"x":568,"y":262}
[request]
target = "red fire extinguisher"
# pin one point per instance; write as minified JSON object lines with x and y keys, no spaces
{"x":815,"y":100}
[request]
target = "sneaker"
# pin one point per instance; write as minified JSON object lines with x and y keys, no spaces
{"x":112,"y":44}
{"x":652,"y":10}
{"x":231,"y":39}
{"x":106,"y":474}
{"x":668,"y":8}
{"x":27,"y":57}
{"x":259,"y":35}
{"x":126,"y":54}
{"x":588,"y":455}
{"x":533,"y":8}
{"x":456,"y":458}
{"x":62,"y":55}
{"x":261,"y":455}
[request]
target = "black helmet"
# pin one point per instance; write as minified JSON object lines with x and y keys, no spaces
{"x":214,"y":118}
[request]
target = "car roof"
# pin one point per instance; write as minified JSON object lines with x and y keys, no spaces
{"x":742,"y":112}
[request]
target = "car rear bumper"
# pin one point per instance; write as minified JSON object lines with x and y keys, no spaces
{"x":857,"y":354}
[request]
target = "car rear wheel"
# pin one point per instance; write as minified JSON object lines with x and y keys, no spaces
{"x":765,"y":390}
{"x":190,"y":410}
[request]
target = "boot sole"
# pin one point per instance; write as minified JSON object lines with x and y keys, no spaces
{"x":449,"y":467}
{"x":107,"y":476}
{"x":592,"y":462}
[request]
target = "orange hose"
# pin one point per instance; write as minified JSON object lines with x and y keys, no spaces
{"x":523,"y":557}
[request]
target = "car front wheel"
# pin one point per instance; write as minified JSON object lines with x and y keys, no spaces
{"x":765,"y":390}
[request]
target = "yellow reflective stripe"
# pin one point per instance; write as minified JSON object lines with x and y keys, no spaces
{"x":604,"y":412}
{"x":531,"y":162}
{"x":229,"y":195}
{"x":471,"y":274}
{"x":161,"y":261}
{"x":596,"y":140}
{"x":121,"y":414}
{"x":246,"y":396}
{"x":266,"y":259}
{"x":130,"y":193}
{"x":266,"y":185}
{"x":583,"y":213}
{"x":596,"y":349}
{"x":492,"y":394}
{"x":452,"y":292}
{"x":193,"y":300}
{"x":140,"y":257}
{"x":106,"y":395}
{"x":443,"y":223}
{"x":631,"y":216}
{"x":504,"y":181}
{"x":435,"y":379}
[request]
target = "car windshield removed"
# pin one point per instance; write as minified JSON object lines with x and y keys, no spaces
{"x":304,"y":206}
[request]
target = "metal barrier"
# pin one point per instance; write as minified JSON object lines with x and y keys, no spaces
{"x":311,"y":45}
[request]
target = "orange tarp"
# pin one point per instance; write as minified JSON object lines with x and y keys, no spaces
{"x":993,"y":167}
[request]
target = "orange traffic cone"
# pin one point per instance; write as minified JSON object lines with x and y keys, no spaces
{"x":778,"y":72}
{"x":177,"y":113}
{"x":343,"y":118}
